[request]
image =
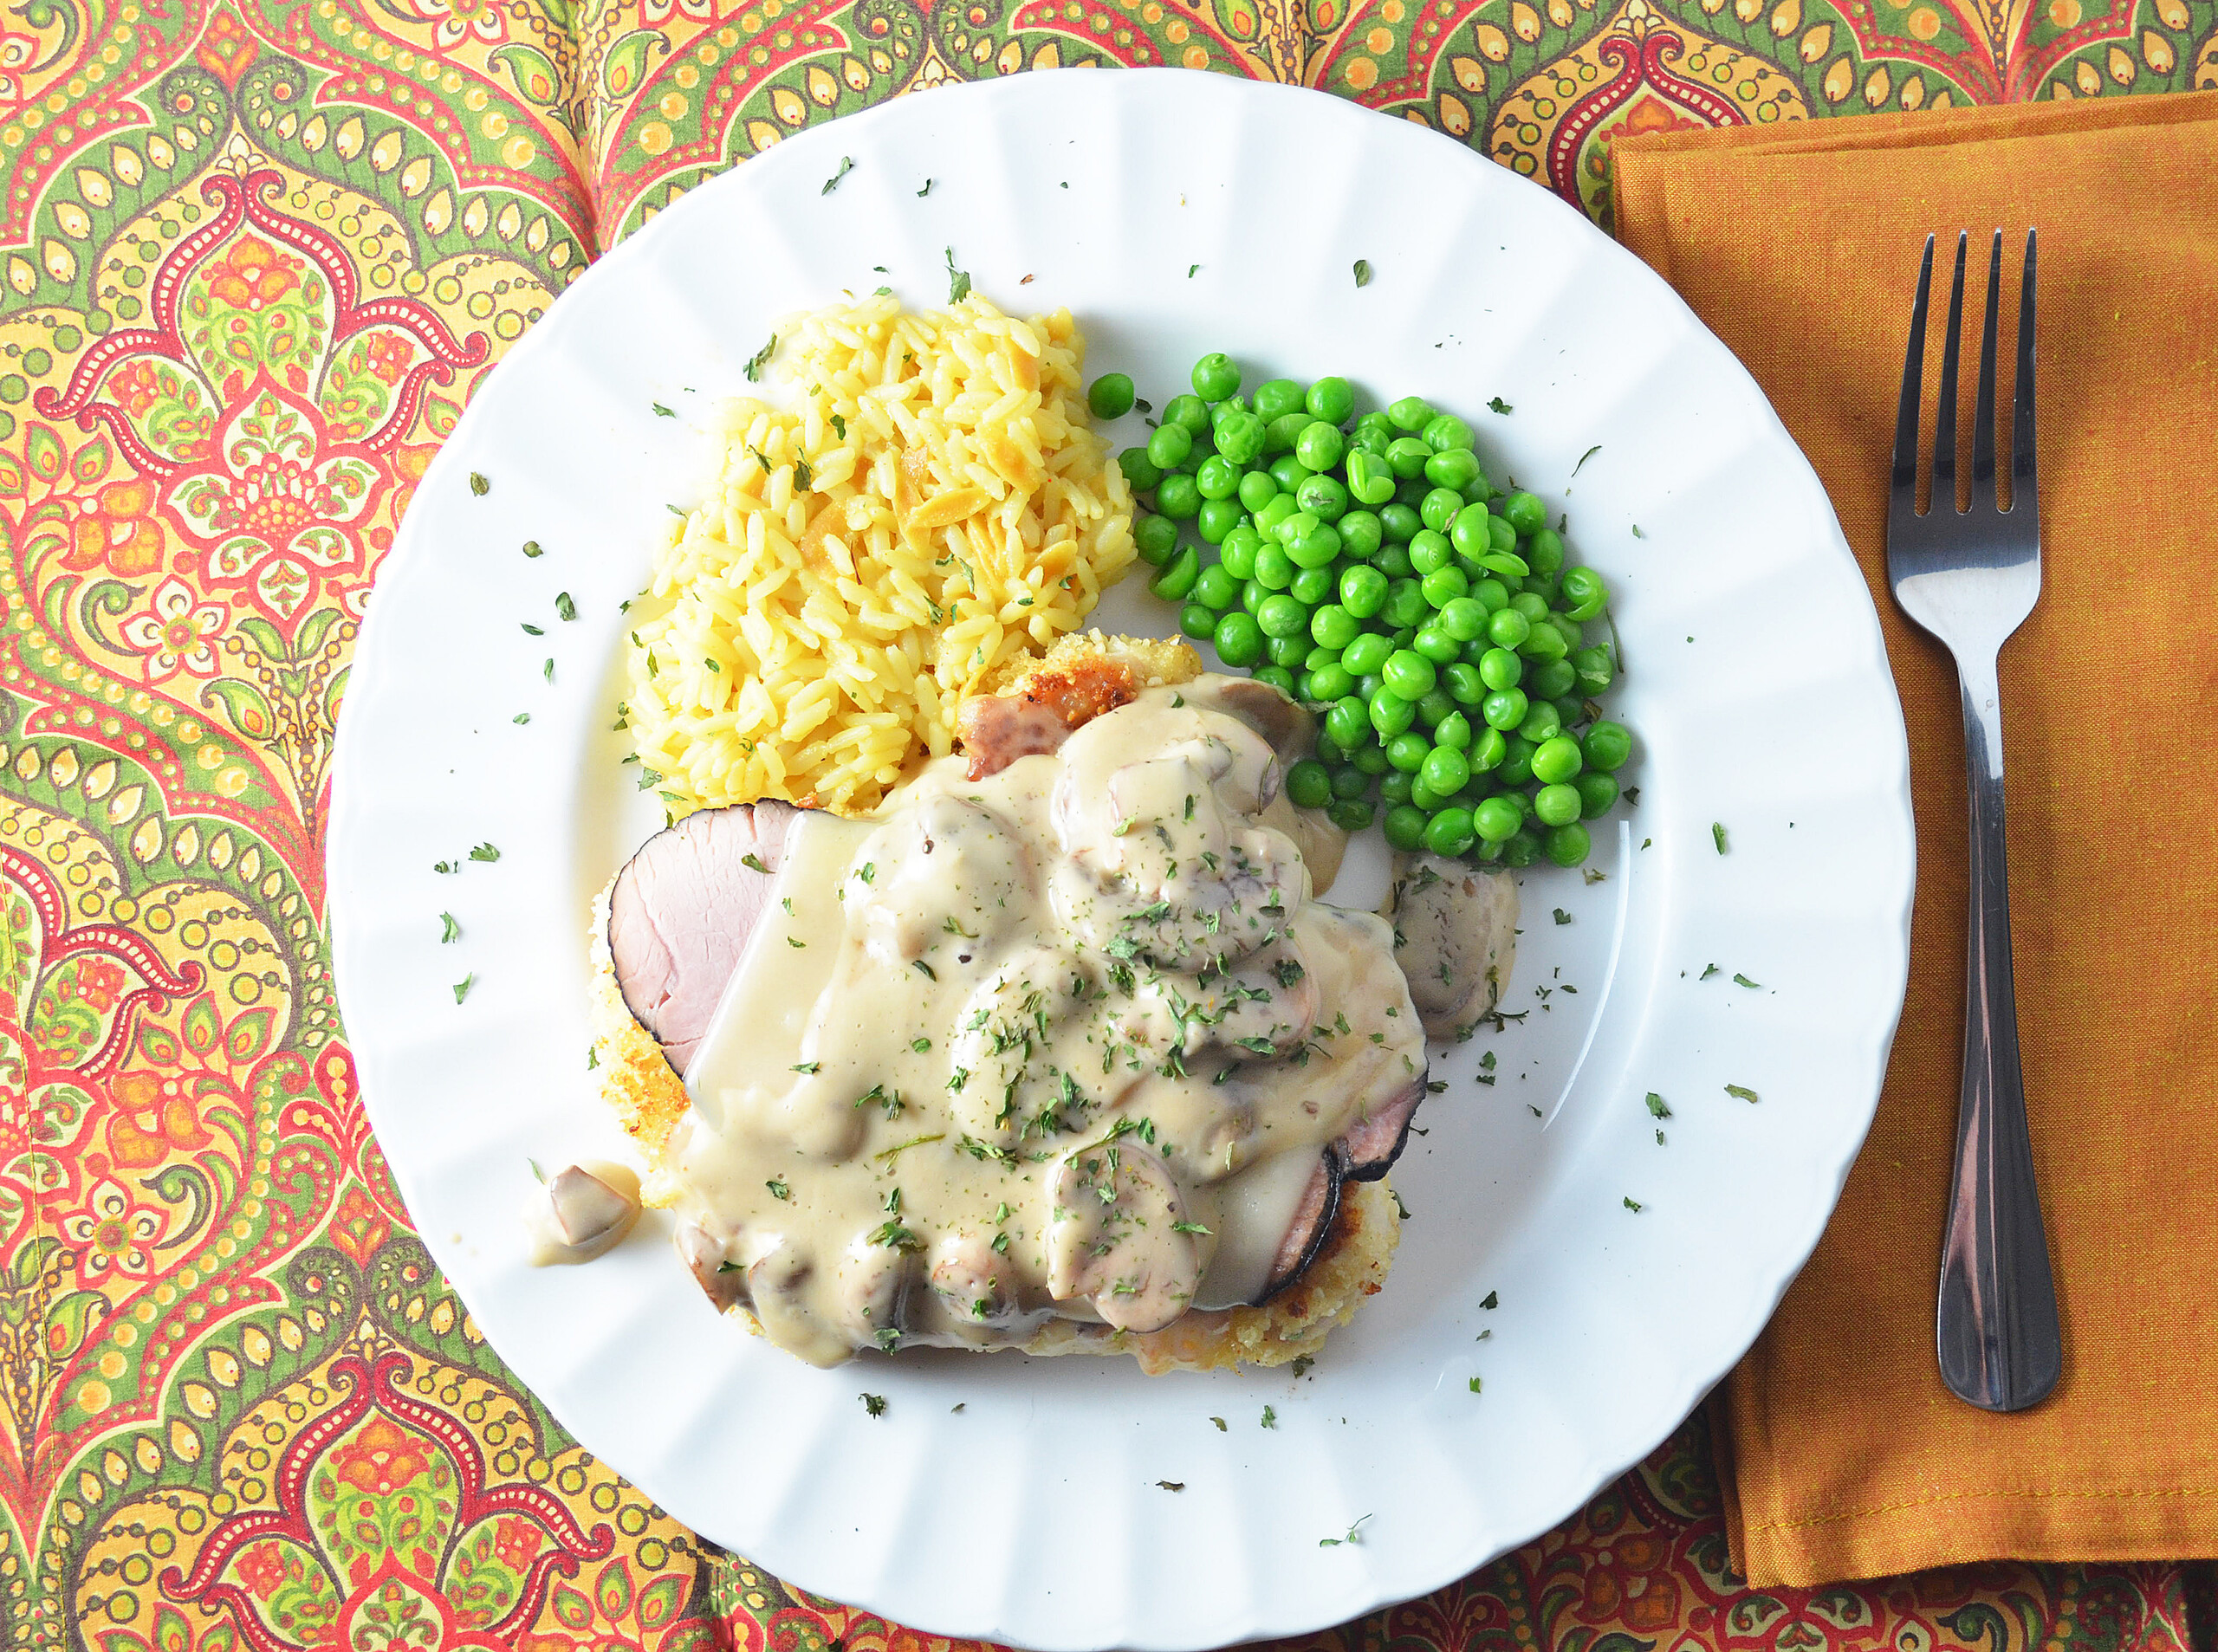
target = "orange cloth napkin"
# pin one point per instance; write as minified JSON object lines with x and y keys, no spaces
{"x":1842,"y":1455}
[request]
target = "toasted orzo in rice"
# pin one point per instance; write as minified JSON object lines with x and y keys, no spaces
{"x":933,"y":506}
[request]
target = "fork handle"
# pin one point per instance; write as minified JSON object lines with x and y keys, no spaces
{"x":2000,"y":1346}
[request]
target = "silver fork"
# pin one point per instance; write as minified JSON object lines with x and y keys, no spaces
{"x":1970,"y":577}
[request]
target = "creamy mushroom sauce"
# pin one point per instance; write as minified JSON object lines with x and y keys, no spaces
{"x":1065,"y":1041}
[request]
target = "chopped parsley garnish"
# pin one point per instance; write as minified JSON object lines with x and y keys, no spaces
{"x":444,"y":866}
{"x":759,"y":360}
{"x":1196,"y":1227}
{"x":1475,"y":1385}
{"x":875,"y":1403}
{"x":521,"y":718}
{"x":1497,"y":404}
{"x":1583,"y":457}
{"x":752,"y":862}
{"x":1656,"y":1107}
{"x":479,"y":485}
{"x":462,"y":987}
{"x":807,"y":1066}
{"x":1707,"y":973}
{"x":1355,"y":1535}
{"x":1270,"y":1418}
{"x":778,"y":1188}
{"x":1493,"y":1300}
{"x":927,"y":969}
{"x":449,"y":930}
{"x":661,"y":411}
{"x":1221,"y":1426}
{"x":846,"y":166}
{"x":1363,"y":272}
{"x":1742,"y":1091}
{"x":537,"y":1175}
{"x":485,"y":851}
{"x":1302,"y":1362}
{"x":894,"y":1235}
{"x":1742,"y":980}
{"x":1192,"y":270}
{"x":920,"y":1045}
{"x":795,"y":942}
{"x":564,"y":605}
{"x":1562,"y":917}
{"x":530,"y":630}
{"x":531,"y":548}
{"x":927,"y":189}
{"x":840,"y":427}
{"x":958,"y":280}
{"x":1171,"y":1484}
{"x":547,"y":670}
{"x":1717,"y":835}
{"x":1633,"y":1204}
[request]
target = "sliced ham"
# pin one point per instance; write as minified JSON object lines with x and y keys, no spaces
{"x":680,"y":914}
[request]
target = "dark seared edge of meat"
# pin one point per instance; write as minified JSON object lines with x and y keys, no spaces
{"x":1312,"y":1227}
{"x":1372,"y":1147}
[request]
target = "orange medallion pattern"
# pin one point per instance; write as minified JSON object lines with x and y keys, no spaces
{"x":254,"y":259}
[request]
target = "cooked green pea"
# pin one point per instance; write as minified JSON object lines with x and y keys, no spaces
{"x":1522,"y":849}
{"x":1445,"y":770}
{"x":1370,"y":479}
{"x":1239,"y":640}
{"x":1411,"y":413}
{"x":1443,"y":585}
{"x":1531,"y":606}
{"x":1239,"y":550}
{"x":1218,"y":518}
{"x":1141,"y":473}
{"x":1282,"y":616}
{"x":1317,"y":544}
{"x":1405,"y":605}
{"x":1556,"y":760}
{"x":1322,"y":497}
{"x":1333,"y":625}
{"x":1607,"y":747}
{"x":1218,"y":477}
{"x":1444,"y":432}
{"x":1504,"y":709}
{"x":1436,"y":708}
{"x":1252,"y":593}
{"x":1332,"y":399}
{"x":1405,"y":828}
{"x":1284,"y":432}
{"x":1177,"y":495}
{"x":1360,"y":535}
{"x":1276,"y":398}
{"x":1399,"y":522}
{"x":1308,"y":784}
{"x":1274,"y":569}
{"x":1524,"y":512}
{"x":1363,"y":594}
{"x":1274,"y":513}
{"x":1313,"y":586}
{"x":1329,"y":683}
{"x":1569,"y":710}
{"x":1544,"y":643}
{"x":1215,"y":377}
{"x":1396,"y":787}
{"x":1423,"y":796}
{"x":1240,"y":436}
{"x":1453,"y":731}
{"x":1155,"y":538}
{"x":1406,"y":751}
{"x":1439,"y":508}
{"x":1469,"y":531}
{"x":1596,"y":668}
{"x":1176,"y":579}
{"x":1515,"y":767}
{"x":1215,"y":589}
{"x":1486,"y":751}
{"x":1437,"y":646}
{"x":1547,"y":587}
{"x":1451,"y":832}
{"x":1352,"y":781}
{"x":1552,"y":681}
{"x":1109,"y":396}
{"x":1509,"y":628}
{"x":1289,"y":651}
{"x":1256,"y":488}
{"x":1575,"y":633}
{"x":1277,"y":676}
{"x":1371,"y":758}
{"x":1170,"y":444}
{"x":1500,"y":668}
{"x":1455,"y":468}
{"x":1542,"y":721}
{"x":1501,"y":539}
{"x":1189,"y":410}
{"x":1348,"y":722}
{"x":1320,"y":446}
{"x":1391,"y":713}
{"x":1460,"y":617}
{"x":1406,"y":456}
{"x":1491,"y":594}
{"x":1393,"y":561}
{"x":1463,"y":683}
{"x":1409,"y":674}
{"x":1198,"y":621}
{"x":1430,"y":552}
{"x":1570,"y":844}
{"x":1497,"y":819}
{"x":1350,"y":813}
{"x":1544,"y":551}
{"x":1368,"y":652}
{"x":1597,"y":794}
{"x":1585,"y":595}
{"x":1288,"y":471}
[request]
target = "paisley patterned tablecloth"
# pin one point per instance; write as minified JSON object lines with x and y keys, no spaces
{"x":253,"y":261}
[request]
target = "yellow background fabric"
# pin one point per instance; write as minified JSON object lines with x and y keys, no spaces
{"x":1842,"y":1455}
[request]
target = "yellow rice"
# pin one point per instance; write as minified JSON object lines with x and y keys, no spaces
{"x":934,"y":507}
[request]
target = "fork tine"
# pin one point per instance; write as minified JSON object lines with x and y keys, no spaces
{"x":1945,"y":432}
{"x":1983,"y":483}
{"x":2022,"y":482}
{"x":1903,"y":478}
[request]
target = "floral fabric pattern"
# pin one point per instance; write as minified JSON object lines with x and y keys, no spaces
{"x":255,"y":258}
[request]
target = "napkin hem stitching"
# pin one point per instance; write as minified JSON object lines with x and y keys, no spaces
{"x":1961,"y":1497}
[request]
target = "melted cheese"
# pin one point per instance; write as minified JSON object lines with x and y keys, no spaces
{"x":1063,"y":1041}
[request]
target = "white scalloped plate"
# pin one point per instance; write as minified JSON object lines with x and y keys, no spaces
{"x":1017,"y":1500}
